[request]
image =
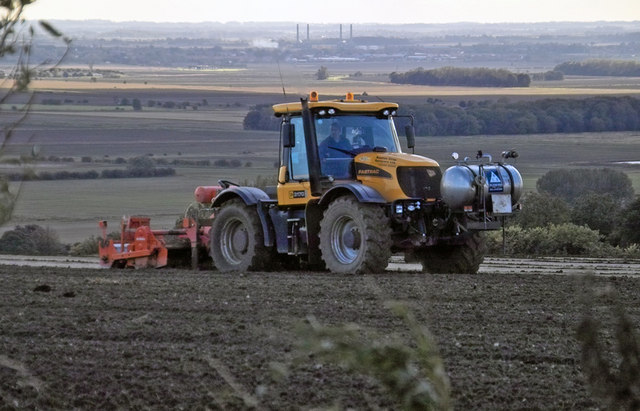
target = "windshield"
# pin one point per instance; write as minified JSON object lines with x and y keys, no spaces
{"x":339,"y":140}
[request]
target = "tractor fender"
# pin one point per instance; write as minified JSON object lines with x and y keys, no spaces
{"x":251,"y":196}
{"x":364,"y":194}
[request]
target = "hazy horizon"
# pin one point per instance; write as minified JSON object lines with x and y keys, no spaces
{"x":337,"y":11}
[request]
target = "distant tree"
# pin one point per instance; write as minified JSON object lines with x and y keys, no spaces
{"x":571,"y":184}
{"x":597,"y":211}
{"x":456,"y":76}
{"x":137,"y":106}
{"x":261,"y":118}
{"x":322,"y":73}
{"x":542,"y":209}
{"x":550,"y":75}
{"x":601,"y":67}
{"x":629,"y":224}
{"x":141,"y":166}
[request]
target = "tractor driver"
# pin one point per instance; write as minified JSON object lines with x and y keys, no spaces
{"x":336,"y":140}
{"x":335,"y":162}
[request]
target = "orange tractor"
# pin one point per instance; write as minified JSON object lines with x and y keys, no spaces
{"x":347,"y":198}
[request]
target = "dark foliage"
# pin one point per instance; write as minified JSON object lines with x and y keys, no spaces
{"x":542,"y":116}
{"x":600,"y":67}
{"x":31,"y":240}
{"x":261,"y":118}
{"x":550,"y":75}
{"x":141,"y":166}
{"x":435,"y":118}
{"x":542,"y":209}
{"x":571,"y":184}
{"x":597,"y":211}
{"x":322,"y":73}
{"x":455,"y":76}
{"x":629,"y":228}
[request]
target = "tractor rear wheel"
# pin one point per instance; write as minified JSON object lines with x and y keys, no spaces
{"x":237,"y":241}
{"x":355,"y":237}
{"x":454,"y":259}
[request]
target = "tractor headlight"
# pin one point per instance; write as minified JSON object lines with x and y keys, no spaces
{"x":399,"y":209}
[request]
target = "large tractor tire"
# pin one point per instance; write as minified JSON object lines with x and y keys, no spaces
{"x":354,"y":237}
{"x":237,"y":241}
{"x":454,"y":259}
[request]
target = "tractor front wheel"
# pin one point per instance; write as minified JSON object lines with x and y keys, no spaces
{"x":237,"y":241}
{"x":454,"y":259}
{"x":355,"y":237}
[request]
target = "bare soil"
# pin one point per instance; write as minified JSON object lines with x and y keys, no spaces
{"x":177,"y":339}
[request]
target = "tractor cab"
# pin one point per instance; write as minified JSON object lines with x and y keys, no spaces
{"x":338,"y":140}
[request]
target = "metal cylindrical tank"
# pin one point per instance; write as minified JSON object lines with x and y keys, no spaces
{"x":461,"y":184}
{"x":457,"y":186}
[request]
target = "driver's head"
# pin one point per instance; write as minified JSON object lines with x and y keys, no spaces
{"x":335,"y":131}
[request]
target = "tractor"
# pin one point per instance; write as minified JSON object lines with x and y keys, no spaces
{"x":348,"y":198}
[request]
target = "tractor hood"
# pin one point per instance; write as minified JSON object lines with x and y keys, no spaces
{"x":399,"y":175}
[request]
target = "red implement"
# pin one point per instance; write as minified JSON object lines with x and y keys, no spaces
{"x":141,"y":247}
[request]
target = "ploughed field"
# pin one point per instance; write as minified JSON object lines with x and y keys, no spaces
{"x":171,"y":339}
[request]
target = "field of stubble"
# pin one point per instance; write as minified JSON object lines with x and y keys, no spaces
{"x":177,"y":339}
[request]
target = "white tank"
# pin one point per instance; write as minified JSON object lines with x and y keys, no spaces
{"x":461,"y":184}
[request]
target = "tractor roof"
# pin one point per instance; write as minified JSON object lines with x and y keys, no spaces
{"x":348,"y":104}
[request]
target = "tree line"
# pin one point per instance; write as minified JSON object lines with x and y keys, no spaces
{"x":601,"y":67}
{"x":552,"y":115}
{"x":456,"y":76}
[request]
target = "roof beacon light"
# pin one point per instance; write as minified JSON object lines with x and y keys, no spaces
{"x":313,"y":96}
{"x":349,"y":96}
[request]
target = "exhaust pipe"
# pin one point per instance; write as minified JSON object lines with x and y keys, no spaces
{"x":313,"y":156}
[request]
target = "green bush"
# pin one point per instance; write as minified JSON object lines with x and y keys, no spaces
{"x":561,"y":239}
{"x":31,"y":240}
{"x":541,"y":209}
{"x":86,"y":247}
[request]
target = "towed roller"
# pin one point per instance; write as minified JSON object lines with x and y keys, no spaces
{"x":141,"y":247}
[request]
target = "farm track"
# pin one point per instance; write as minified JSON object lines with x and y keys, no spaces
{"x":80,"y":338}
{"x":546,"y":265}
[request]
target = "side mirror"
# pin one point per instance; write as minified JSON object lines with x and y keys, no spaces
{"x":288,"y":135}
{"x":411,"y":136}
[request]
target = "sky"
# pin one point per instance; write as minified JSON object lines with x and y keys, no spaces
{"x":338,"y":11}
